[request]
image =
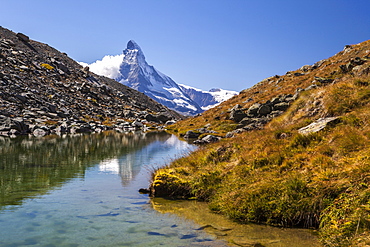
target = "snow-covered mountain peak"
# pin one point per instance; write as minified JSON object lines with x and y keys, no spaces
{"x":134,"y":55}
{"x":131,"y":69}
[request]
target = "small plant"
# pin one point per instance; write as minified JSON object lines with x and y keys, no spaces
{"x":47,"y":66}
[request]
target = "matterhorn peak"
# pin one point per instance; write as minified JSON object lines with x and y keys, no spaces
{"x":132,"y":45}
{"x":133,"y":54}
{"x":131,"y":69}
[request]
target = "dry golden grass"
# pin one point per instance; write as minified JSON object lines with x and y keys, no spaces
{"x":280,"y":177}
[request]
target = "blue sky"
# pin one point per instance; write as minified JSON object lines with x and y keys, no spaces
{"x":230,"y":44}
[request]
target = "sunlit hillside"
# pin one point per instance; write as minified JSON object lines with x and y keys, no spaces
{"x":272,"y":170}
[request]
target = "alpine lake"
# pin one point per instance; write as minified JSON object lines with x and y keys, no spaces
{"x":82,"y":190}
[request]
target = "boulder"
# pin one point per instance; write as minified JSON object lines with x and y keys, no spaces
{"x":306,"y":68}
{"x":323,"y":80}
{"x":191,"y":135}
{"x":237,"y":115}
{"x":264,"y":110}
{"x":23,"y":37}
{"x":253,"y":110}
{"x":151,"y":118}
{"x":248,"y":120}
{"x":283,"y":106}
{"x":318,"y":125}
{"x":39,"y":133}
{"x":163,"y":117}
{"x":19,"y":125}
{"x":170,"y":122}
{"x":207,"y":139}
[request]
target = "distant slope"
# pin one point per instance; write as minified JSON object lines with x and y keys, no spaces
{"x":131,"y":69}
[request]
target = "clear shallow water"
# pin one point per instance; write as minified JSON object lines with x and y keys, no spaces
{"x":232,"y":232}
{"x":82,"y":191}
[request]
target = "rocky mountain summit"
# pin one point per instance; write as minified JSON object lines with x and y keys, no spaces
{"x":131,"y":69}
{"x":43,"y":91}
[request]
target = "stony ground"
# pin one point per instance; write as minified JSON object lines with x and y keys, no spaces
{"x":43,"y":91}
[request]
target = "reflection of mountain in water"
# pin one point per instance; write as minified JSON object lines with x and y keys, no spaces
{"x":32,"y":166}
{"x":130,"y":164}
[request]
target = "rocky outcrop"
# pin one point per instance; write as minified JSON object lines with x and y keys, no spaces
{"x":202,"y":135}
{"x":258,"y":114}
{"x":248,"y":119}
{"x":43,"y":91}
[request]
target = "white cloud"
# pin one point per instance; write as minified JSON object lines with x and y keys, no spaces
{"x":108,"y":66}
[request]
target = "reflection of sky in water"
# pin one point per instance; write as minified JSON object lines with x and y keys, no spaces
{"x":153,"y":155}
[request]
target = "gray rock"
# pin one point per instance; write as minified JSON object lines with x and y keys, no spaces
{"x":170,"y":122}
{"x":248,"y":120}
{"x":207,"y":139}
{"x":13,"y":132}
{"x":306,"y":68}
{"x":191,"y":134}
{"x":39,"y":132}
{"x":253,"y":110}
{"x":80,"y":129}
{"x":318,"y":125}
{"x":230,"y":134}
{"x":323,"y":80}
{"x":274,"y":114}
{"x":251,"y":127}
{"x":313,"y":86}
{"x":236,"y":107}
{"x":237,"y":115}
{"x":150,"y":118}
{"x":19,"y":125}
{"x":23,"y":37}
{"x":61,"y":129}
{"x":264,"y":110}
{"x":276,"y":100}
{"x":283,"y":106}
{"x":137,"y":123}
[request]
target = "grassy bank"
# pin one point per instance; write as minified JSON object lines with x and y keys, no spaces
{"x":281,"y":177}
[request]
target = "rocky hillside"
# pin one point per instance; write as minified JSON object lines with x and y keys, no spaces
{"x":293,"y":150}
{"x":44,"y":91}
